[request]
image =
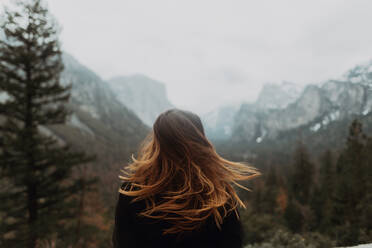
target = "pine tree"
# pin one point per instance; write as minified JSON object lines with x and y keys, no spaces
{"x":302,"y":179}
{"x":271,"y":190}
{"x":39,"y":192}
{"x":322,"y":198}
{"x":301,"y":185}
{"x":365,"y":205}
{"x":294,"y":216}
{"x":350,"y":191}
{"x":356,"y":158}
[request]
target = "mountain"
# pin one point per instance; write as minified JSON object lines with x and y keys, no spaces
{"x":92,"y":95}
{"x":99,"y":124}
{"x":278,"y":96}
{"x":333,"y":100}
{"x":221,"y":122}
{"x":360,"y":74}
{"x":145,"y":96}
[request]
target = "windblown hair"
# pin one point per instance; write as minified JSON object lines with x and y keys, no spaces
{"x":177,"y":162}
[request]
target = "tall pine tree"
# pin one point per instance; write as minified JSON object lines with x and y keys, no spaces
{"x":352,"y":169}
{"x":364,"y":208}
{"x":322,"y":198}
{"x":36,"y":171}
{"x":302,"y":180}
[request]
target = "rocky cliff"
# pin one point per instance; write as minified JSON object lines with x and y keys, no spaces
{"x":145,"y":96}
{"x":318,"y":104}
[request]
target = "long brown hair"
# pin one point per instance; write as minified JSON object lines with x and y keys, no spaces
{"x":178,"y":162}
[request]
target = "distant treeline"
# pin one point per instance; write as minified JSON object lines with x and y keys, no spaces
{"x":311,"y":201}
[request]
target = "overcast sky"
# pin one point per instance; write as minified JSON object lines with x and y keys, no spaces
{"x":212,"y":52}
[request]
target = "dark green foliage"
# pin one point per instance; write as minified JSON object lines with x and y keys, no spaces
{"x":268,"y":194}
{"x":40,"y":192}
{"x":294,"y":217}
{"x":332,"y":198}
{"x":302,"y":180}
{"x":364,"y":206}
{"x":322,"y":201}
{"x":352,"y":191}
{"x":258,"y":227}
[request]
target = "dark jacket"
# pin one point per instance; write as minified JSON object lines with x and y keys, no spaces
{"x":132,"y":231}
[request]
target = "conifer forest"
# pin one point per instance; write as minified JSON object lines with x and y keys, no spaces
{"x":66,"y":133}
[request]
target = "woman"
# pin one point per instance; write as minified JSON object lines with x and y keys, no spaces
{"x":178,"y":192}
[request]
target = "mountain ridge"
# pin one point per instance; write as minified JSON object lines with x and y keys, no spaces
{"x":143,"y":95}
{"x":331,"y":100}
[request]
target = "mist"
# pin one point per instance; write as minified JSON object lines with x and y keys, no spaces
{"x":211,"y":53}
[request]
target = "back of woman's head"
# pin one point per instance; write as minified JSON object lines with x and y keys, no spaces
{"x":177,"y":162}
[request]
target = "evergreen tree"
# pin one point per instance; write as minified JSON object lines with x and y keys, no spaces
{"x":294,"y":216}
{"x":364,"y":207}
{"x":40,"y":190}
{"x":327,"y":173}
{"x":356,"y":158}
{"x":271,"y":190}
{"x":322,"y":198}
{"x":302,"y":179}
{"x":350,"y":191}
{"x":301,"y":184}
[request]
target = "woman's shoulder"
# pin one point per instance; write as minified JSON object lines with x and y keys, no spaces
{"x":129,"y":202}
{"x":124,"y":200}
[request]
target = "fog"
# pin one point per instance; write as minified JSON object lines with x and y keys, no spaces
{"x":211,"y":53}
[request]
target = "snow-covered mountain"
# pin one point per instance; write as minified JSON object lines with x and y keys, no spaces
{"x":221,"y":121}
{"x":278,"y":96}
{"x":318,"y":104}
{"x":145,"y":96}
{"x":360,"y":74}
